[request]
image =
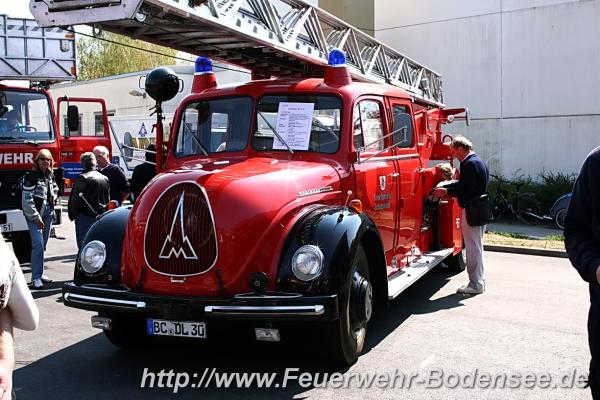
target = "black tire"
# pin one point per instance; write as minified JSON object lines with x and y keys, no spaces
{"x":560,"y":218}
{"x":347,"y":335}
{"x":127,"y":332}
{"x":499,"y":206}
{"x":457,"y":262}
{"x":21,"y":242}
{"x":529,"y":210}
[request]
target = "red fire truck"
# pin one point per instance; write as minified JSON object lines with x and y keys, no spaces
{"x":298,"y":201}
{"x":36,"y":57}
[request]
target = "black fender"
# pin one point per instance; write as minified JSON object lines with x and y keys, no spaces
{"x":337,"y":231}
{"x":110,"y":230}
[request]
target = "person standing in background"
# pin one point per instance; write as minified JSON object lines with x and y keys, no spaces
{"x":39,"y":195}
{"x":119,"y":188}
{"x":472,"y":183}
{"x":89,"y":197}
{"x":143,"y":173}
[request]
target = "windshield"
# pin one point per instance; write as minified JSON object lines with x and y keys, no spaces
{"x":298,"y":123}
{"x":25,"y":116}
{"x":214,"y":126}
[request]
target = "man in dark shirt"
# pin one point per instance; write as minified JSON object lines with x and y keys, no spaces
{"x":143,"y":173}
{"x":89,"y":197}
{"x":119,"y":187}
{"x":582,"y":242}
{"x":472,"y":183}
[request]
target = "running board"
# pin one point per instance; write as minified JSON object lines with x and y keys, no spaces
{"x":410,"y":274}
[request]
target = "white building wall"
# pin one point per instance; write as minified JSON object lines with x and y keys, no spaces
{"x":529,"y":70}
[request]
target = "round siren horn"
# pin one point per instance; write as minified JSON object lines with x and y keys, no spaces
{"x":162,"y":84}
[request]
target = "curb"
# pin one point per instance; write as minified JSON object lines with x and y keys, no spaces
{"x":533,"y":251}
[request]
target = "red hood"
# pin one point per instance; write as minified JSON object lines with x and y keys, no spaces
{"x":249,"y":202}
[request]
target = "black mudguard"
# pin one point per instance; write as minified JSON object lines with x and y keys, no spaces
{"x":337,"y":231}
{"x":110,"y":230}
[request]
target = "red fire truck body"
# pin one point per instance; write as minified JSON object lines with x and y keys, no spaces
{"x":218,"y":236}
{"x":296,"y":203}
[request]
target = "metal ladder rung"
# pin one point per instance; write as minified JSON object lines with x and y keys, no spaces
{"x":303,"y":33}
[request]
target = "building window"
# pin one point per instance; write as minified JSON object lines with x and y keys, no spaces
{"x":99,"y":122}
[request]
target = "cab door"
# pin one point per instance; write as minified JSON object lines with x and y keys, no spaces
{"x":409,"y":169}
{"x":93,"y":131}
{"x":375,"y":170}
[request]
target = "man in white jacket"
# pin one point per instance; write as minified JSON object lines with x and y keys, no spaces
{"x":17,"y":309}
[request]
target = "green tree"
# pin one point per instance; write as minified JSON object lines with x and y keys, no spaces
{"x":99,"y":58}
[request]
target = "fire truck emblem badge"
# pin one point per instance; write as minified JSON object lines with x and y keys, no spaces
{"x":382,"y":182}
{"x":170,"y":247}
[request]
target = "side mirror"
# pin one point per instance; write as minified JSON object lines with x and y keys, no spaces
{"x":467,"y":116}
{"x":72,"y":119}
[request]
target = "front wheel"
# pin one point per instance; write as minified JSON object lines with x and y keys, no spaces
{"x":457,"y":263}
{"x":560,"y":218}
{"x":529,"y":210}
{"x":347,"y":335}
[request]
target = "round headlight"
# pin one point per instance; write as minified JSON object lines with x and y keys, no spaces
{"x":307,"y":263}
{"x":93,"y":256}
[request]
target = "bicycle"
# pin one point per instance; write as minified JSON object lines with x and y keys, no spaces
{"x":523,"y":206}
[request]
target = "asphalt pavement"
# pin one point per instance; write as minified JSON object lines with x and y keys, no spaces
{"x":531,"y":319}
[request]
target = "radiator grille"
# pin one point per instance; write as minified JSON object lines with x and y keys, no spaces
{"x":180,"y":236}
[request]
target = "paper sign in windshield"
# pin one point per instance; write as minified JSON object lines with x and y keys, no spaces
{"x":294,"y":121}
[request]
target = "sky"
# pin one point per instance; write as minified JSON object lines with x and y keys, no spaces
{"x":15,"y":8}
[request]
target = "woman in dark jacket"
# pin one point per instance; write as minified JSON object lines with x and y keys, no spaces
{"x":40,"y":193}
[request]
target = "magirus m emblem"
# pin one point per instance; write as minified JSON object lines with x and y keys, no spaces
{"x":170,"y":247}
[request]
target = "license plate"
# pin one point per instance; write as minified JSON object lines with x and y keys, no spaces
{"x":6,"y":228}
{"x":161,"y":327}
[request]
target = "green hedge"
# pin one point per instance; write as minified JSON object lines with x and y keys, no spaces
{"x":547,"y":188}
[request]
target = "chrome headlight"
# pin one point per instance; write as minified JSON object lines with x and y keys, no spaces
{"x":307,"y":263}
{"x":92,"y":256}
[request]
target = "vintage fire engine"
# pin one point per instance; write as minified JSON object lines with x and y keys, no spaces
{"x":28,"y":122}
{"x":296,"y":199}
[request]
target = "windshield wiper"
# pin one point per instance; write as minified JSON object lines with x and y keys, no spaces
{"x":20,"y":139}
{"x":323,"y":126}
{"x":275,"y":133}
{"x":31,"y":142}
{"x":195,"y":138}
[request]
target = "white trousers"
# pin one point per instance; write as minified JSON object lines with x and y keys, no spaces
{"x":473,"y":238}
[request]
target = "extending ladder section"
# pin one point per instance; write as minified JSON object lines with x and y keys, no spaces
{"x":276,"y":37}
{"x":28,"y":52}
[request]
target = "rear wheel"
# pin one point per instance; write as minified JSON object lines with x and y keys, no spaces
{"x":347,"y":335}
{"x":560,"y":218}
{"x":529,"y":210}
{"x":21,"y":243}
{"x":457,"y":262}
{"x":499,"y":205}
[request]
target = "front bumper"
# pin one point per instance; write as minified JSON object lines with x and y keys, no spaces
{"x":251,"y":306}
{"x":12,"y":221}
